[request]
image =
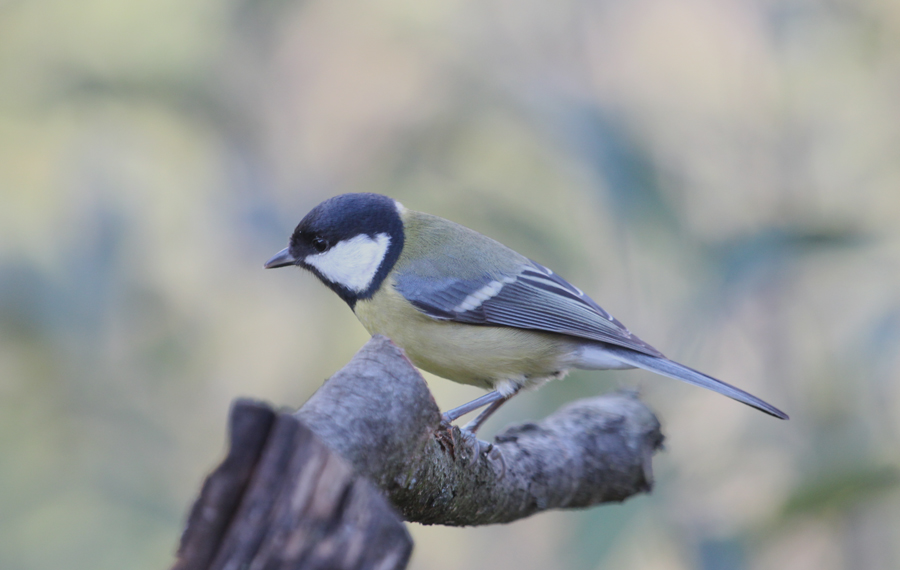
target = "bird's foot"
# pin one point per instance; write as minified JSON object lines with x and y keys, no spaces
{"x":480,"y":446}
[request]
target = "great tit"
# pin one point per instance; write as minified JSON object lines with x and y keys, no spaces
{"x":466,"y":307}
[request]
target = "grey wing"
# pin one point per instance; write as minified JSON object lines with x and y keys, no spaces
{"x":535,"y":298}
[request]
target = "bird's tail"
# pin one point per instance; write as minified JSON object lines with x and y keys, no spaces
{"x":672,"y":369}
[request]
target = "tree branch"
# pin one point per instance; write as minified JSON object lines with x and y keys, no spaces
{"x":378,"y":414}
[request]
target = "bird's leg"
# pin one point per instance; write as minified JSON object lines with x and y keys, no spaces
{"x":493,"y":401}
{"x":473,"y":425}
{"x":489,"y":398}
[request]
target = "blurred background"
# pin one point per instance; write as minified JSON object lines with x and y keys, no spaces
{"x":721,"y":175}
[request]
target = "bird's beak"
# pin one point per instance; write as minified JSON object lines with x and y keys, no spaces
{"x":281,"y":259}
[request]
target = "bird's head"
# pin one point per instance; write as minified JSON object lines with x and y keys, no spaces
{"x":350,"y":242}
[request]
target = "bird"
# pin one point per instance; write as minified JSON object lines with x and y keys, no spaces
{"x":466,"y":307}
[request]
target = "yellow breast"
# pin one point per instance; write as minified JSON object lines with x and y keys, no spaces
{"x":470,"y":354}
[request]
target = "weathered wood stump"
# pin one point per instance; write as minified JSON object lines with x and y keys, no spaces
{"x":281,"y":499}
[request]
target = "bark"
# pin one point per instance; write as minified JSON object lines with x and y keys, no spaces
{"x":378,"y":414}
{"x":282,"y":500}
{"x":302,"y":490}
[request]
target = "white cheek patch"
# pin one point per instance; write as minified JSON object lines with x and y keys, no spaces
{"x":352,"y":263}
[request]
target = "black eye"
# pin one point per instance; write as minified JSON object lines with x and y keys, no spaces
{"x":319,"y":244}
